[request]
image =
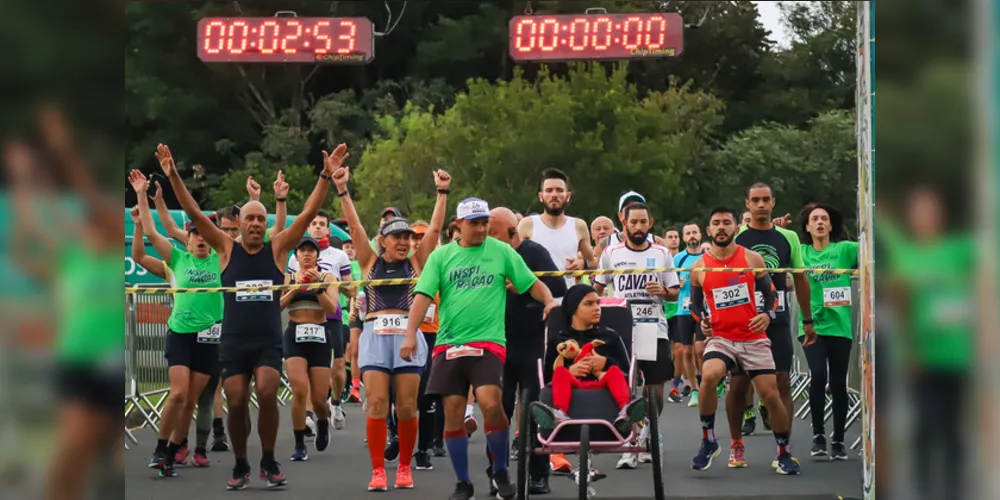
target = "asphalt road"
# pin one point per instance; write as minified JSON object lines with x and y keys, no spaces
{"x":343,"y":470}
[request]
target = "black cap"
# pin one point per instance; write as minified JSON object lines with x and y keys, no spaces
{"x":395,"y":225}
{"x":308,"y":240}
{"x":392,"y":210}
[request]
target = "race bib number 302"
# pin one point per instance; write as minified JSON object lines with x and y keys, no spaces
{"x":254,"y":295}
{"x":731,"y":296}
{"x":390,"y":324}
{"x":837,"y":296}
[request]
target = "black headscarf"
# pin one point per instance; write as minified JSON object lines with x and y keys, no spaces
{"x":571,"y":301}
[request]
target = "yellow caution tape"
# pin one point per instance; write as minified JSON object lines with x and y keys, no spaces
{"x":542,"y":274}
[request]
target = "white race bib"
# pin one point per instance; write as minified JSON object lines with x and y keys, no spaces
{"x":645,"y":312}
{"x":731,"y":296}
{"x":254,"y":296}
{"x":837,"y":296}
{"x":429,"y":317}
{"x":686,"y":303}
{"x":210,"y":335}
{"x":310,"y":333}
{"x":759,"y":298}
{"x":461,"y":351}
{"x":389,"y":324}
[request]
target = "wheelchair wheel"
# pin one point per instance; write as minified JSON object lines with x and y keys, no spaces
{"x":583,"y":476}
{"x":654,"y":444}
{"x":524,"y":445}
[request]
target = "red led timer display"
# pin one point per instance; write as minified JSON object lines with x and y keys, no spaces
{"x":286,"y":40}
{"x":602,"y":36}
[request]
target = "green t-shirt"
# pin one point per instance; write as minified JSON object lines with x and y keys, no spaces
{"x":91,"y":309}
{"x":194,"y":312}
{"x":937,"y":277}
{"x":473,"y":291}
{"x":830,"y":294}
{"x":345,"y":305}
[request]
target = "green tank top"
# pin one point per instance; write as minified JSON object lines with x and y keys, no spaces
{"x":91,"y":309}
{"x":194,"y":312}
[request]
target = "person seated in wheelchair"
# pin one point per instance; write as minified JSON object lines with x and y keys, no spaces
{"x":586,"y":356}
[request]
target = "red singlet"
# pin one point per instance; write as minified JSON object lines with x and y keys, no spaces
{"x":730,"y":298}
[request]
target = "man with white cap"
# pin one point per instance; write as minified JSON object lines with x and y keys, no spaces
{"x":470,"y":275}
{"x":626,"y":200}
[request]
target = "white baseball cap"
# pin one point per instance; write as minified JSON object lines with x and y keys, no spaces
{"x":630,"y":196}
{"x":472,"y":208}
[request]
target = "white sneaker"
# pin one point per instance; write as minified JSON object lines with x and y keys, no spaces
{"x":628,"y":460}
{"x":644,"y":456}
{"x":311,"y":424}
{"x":339,"y":418}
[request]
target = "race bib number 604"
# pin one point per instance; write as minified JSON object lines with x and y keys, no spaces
{"x":837,"y":296}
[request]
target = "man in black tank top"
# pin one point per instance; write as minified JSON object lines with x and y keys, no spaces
{"x":251,"y":326}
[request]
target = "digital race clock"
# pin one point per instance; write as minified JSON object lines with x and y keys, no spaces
{"x":596,"y":36}
{"x":345,"y":40}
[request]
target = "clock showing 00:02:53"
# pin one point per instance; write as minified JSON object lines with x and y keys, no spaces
{"x":596,"y":36}
{"x":329,"y":40}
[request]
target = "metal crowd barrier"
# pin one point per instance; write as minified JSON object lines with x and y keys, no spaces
{"x":801,"y":379}
{"x":147,"y":378}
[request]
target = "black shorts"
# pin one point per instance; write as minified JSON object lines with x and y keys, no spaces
{"x":335,"y":335}
{"x":184,"y":349}
{"x":452,"y":377}
{"x":239,"y":356}
{"x":782,"y":349}
{"x":690,"y":330}
{"x":316,"y":354}
{"x":660,"y":371}
{"x":672,"y":330}
{"x":95,"y":387}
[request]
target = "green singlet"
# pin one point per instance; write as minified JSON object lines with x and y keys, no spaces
{"x":830,"y":294}
{"x":194,"y":312}
{"x":91,"y":308}
{"x":473,"y":290}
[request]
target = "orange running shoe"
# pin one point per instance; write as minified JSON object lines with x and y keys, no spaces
{"x":378,"y":482}
{"x":559,"y":464}
{"x":404,"y":477}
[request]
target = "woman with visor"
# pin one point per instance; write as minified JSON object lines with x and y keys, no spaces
{"x":386,"y":314}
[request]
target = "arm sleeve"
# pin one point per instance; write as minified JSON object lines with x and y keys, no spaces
{"x":766,"y":288}
{"x":542,"y":261}
{"x":429,"y":283}
{"x":697,"y":306}
{"x":515,"y":268}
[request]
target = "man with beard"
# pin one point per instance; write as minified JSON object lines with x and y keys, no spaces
{"x":646,"y":294}
{"x":626,"y":200}
{"x":251,"y":339}
{"x":561,"y":235}
{"x":525,"y":332}
{"x":723,"y":302}
{"x":778,"y":247}
{"x":690,"y":340}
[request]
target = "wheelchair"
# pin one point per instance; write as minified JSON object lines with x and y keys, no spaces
{"x":590,"y":431}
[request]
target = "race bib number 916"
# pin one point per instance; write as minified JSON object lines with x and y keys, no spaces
{"x":390,"y":324}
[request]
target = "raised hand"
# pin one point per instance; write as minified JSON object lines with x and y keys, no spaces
{"x":280,"y":186}
{"x":441,"y":179}
{"x":135,"y":215}
{"x":166,"y":160}
{"x":158,"y":195}
{"x":253,"y":188}
{"x":335,"y":160}
{"x":784,"y":221}
{"x":138,"y":182}
{"x":340,"y":178}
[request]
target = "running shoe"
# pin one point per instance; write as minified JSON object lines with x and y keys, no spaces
{"x":423,"y":460}
{"x":736,"y":455}
{"x":300,"y":454}
{"x":404,"y":478}
{"x":378,"y":482}
{"x":322,"y":434}
{"x":515,"y":446}
{"x":674,"y":396}
{"x":776,"y":463}
{"x":720,"y":390}
{"x":749,"y":422}
{"x":392,"y":449}
{"x":687,"y":391}
{"x":219,"y":443}
{"x":706,"y":453}
{"x":693,"y":402}
{"x":339,"y":417}
{"x":628,"y":460}
{"x":838,"y":451}
{"x":788,"y":465}
{"x":354,"y":396}
{"x":181,"y":457}
{"x":437,"y":449}
{"x":157,"y":460}
{"x":463,"y":491}
{"x":471,"y":425}
{"x":559,"y":464}
{"x":505,"y":488}
{"x":310,"y":425}
{"x":272,"y":474}
{"x":645,"y":457}
{"x":819,"y":446}
{"x":546,"y":416}
{"x":200,"y":458}
{"x":633,"y":412}
{"x":168,"y":470}
{"x":762,"y":410}
{"x":239,"y":479}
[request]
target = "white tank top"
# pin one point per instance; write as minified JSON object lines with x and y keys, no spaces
{"x":562,"y":243}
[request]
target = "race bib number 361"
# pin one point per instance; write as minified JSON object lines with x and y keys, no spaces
{"x":210,"y":335}
{"x":731,"y":296}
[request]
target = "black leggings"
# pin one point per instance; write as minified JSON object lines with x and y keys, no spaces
{"x":833,"y":353}
{"x":431,"y":425}
{"x":521,"y":371}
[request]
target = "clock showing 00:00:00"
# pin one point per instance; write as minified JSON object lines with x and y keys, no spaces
{"x":601,"y":36}
{"x":346,"y":40}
